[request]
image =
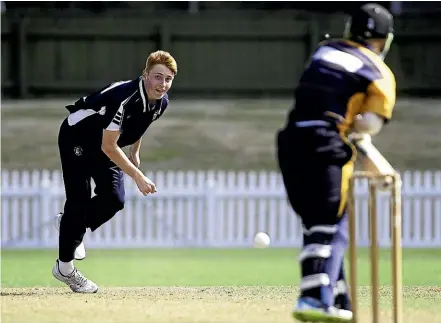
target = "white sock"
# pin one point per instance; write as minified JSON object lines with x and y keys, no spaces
{"x":66,"y":268}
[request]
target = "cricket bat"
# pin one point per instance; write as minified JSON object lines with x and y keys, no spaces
{"x":372,"y":160}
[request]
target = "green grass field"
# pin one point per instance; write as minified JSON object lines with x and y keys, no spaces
{"x":227,"y":134}
{"x":197,"y":285}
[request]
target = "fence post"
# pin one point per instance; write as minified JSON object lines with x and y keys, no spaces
{"x":313,"y":34}
{"x":211,"y":201}
{"x":20,"y":47}
{"x":45,"y":211}
{"x":164,"y":41}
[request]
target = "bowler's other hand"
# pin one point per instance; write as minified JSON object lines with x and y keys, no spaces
{"x":145,"y":185}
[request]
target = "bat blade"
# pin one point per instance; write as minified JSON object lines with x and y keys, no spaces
{"x":371,"y":158}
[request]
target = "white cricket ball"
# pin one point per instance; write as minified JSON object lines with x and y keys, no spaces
{"x":262,"y":240}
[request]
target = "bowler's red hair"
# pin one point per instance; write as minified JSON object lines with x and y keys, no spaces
{"x":161,"y":57}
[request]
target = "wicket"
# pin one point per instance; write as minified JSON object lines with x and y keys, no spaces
{"x":395,"y":218}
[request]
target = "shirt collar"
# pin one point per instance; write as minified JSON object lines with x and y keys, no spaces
{"x":143,"y":93}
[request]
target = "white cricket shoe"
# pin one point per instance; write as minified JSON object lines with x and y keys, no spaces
{"x":311,"y":310}
{"x":80,"y":252}
{"x":76,"y":281}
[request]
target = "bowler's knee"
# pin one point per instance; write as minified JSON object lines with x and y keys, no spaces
{"x":75,"y":207}
{"x":116,"y":201}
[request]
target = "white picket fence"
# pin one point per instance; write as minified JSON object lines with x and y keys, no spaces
{"x":206,"y":209}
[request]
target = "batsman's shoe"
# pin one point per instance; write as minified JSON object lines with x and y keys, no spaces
{"x":311,"y":310}
{"x":80,"y":252}
{"x":76,"y":281}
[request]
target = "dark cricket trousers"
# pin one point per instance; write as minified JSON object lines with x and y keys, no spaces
{"x":83,"y":160}
{"x":316,"y":164}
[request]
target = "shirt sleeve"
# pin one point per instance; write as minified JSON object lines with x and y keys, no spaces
{"x":381,"y":96}
{"x":117,"y":119}
{"x":115,"y":124}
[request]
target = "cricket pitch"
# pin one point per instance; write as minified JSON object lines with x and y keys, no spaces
{"x":177,"y":304}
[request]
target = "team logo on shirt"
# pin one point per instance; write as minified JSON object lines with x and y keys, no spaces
{"x":78,"y":151}
{"x":156,"y":114}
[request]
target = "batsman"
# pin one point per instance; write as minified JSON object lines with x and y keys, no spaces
{"x":345,"y":94}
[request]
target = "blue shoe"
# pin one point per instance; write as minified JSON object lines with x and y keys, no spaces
{"x":312,"y":310}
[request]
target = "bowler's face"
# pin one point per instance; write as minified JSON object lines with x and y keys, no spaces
{"x":158,"y":81}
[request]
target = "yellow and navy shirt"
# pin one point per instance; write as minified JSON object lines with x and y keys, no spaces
{"x":343,"y":79}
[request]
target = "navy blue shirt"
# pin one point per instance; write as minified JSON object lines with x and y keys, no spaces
{"x":120,"y":106}
{"x":340,"y":77}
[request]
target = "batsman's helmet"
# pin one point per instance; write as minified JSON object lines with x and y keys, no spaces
{"x":371,"y":21}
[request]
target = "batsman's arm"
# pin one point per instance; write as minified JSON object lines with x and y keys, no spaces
{"x":381,"y":95}
{"x":377,"y":109}
{"x":379,"y":103}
